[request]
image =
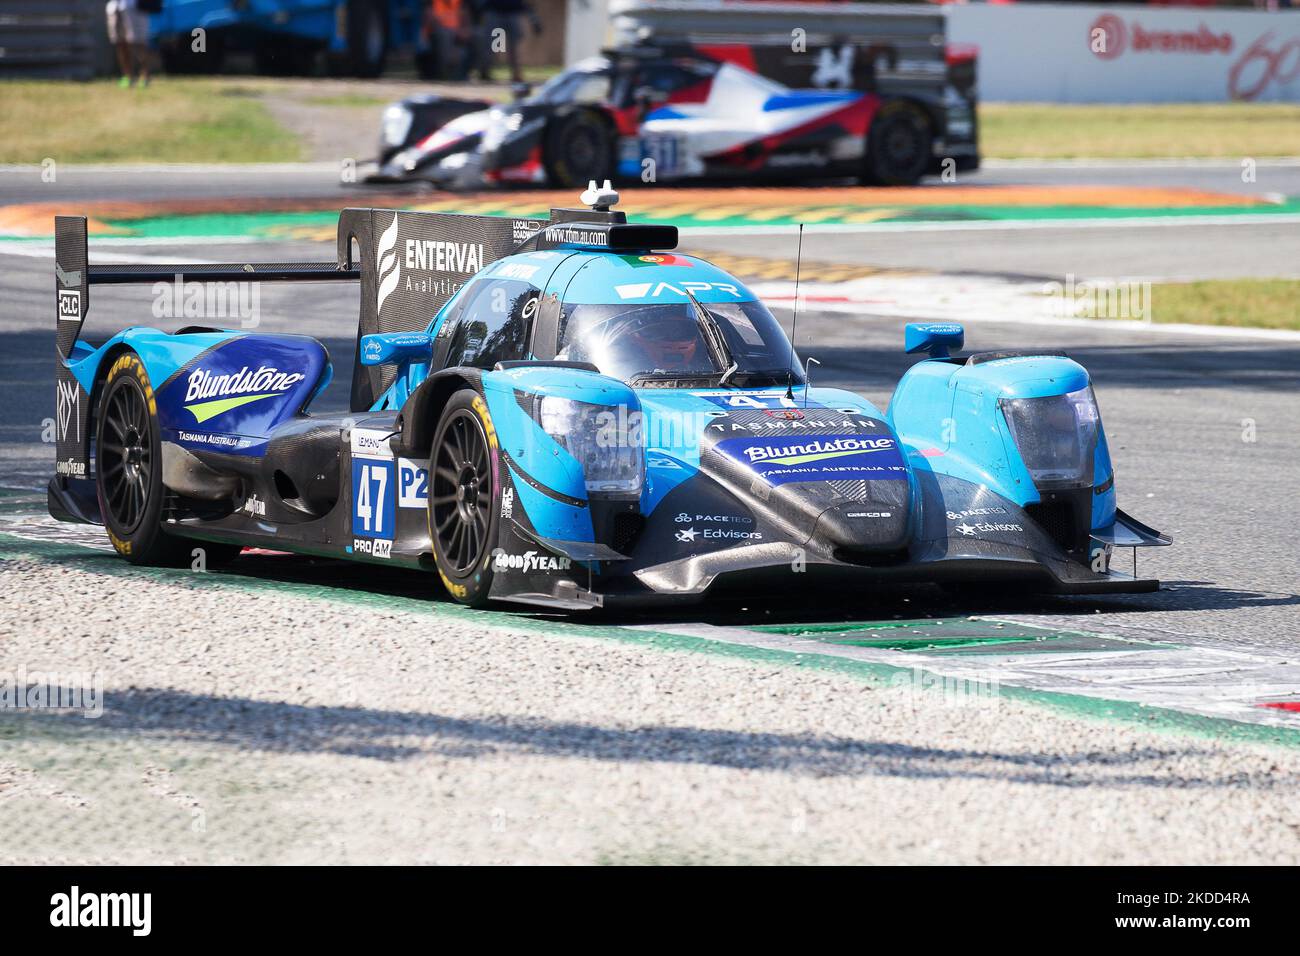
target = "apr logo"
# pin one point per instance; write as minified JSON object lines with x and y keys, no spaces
{"x":653,"y":290}
{"x":818,"y":458}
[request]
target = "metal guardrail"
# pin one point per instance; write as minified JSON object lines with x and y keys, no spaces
{"x":50,"y":38}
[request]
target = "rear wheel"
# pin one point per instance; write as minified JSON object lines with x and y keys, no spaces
{"x":579,"y":148}
{"x":898,"y":146}
{"x":128,"y":476}
{"x":128,"y":468}
{"x":463,"y":498}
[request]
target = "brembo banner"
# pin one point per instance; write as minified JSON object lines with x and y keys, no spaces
{"x":1130,"y":54}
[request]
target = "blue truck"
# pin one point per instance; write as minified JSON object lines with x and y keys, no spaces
{"x":355,"y":37}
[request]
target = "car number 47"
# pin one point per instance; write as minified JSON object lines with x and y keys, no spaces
{"x":372,"y":499}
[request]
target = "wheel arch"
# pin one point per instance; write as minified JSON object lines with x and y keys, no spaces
{"x":110,"y":356}
{"x":418,"y":419}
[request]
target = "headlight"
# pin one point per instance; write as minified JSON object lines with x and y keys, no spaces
{"x":396,"y":124}
{"x":606,"y":441}
{"x":1056,"y":436}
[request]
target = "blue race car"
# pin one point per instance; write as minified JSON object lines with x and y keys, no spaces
{"x":565,"y":412}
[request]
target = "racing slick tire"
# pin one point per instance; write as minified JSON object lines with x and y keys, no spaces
{"x":128,"y":472}
{"x":464,"y":498}
{"x":898,"y":146}
{"x":578,"y":148}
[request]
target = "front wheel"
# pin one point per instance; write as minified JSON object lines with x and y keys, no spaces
{"x":579,"y":148}
{"x":898,"y":146}
{"x":464,"y":493}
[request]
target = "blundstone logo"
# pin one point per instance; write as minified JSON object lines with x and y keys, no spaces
{"x":238,"y":388}
{"x":816,"y":450}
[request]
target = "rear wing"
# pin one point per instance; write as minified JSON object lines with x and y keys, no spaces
{"x":73,"y":277}
{"x":409,"y":264}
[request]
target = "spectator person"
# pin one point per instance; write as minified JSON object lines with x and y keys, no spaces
{"x":450,"y":39}
{"x":128,"y":31}
{"x":507,"y":16}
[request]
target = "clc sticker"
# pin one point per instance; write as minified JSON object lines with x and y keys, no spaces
{"x":412,"y":484}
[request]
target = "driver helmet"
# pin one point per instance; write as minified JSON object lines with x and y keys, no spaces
{"x":670,"y":342}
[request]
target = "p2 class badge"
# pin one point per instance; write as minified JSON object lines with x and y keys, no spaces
{"x":412,"y":484}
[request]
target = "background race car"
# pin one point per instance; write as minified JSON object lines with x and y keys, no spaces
{"x":662,"y":112}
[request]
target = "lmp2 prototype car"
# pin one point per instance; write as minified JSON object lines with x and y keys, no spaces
{"x":568,"y":413}
{"x":694,"y":111}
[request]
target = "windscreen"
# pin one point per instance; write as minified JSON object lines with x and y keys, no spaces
{"x":635,"y":342}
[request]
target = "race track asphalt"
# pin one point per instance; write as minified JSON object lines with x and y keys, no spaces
{"x":325,"y":712}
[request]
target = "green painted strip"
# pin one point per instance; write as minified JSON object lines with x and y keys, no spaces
{"x":797,"y":630}
{"x":954,"y":635}
{"x":872,"y":673}
{"x":278,"y":225}
{"x":933,"y":643}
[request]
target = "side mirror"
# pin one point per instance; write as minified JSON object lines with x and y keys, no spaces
{"x":933,"y":337}
{"x":382,"y":348}
{"x":520,"y":91}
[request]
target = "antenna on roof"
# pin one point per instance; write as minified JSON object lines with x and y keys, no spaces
{"x":600,"y":198}
{"x":794,"y":323}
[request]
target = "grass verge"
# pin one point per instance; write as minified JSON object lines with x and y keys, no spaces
{"x":1122,"y":131}
{"x":1257,"y":303}
{"x":174,"y":120}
